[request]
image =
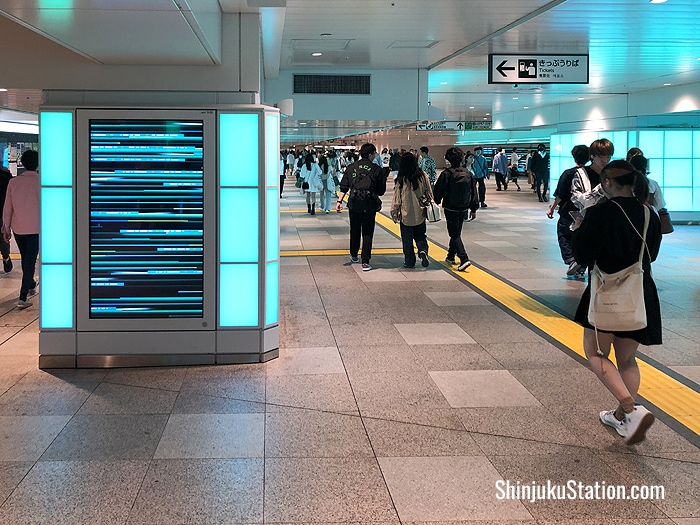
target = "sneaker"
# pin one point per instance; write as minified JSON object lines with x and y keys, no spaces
{"x":354,"y":259}
{"x":464,"y":266}
{"x":573,"y":268}
{"x":484,"y":205}
{"x":328,"y":211}
{"x":637,"y":423}
{"x":366,"y":267}
{"x":423,"y":259}
{"x":407,"y":266}
{"x":7,"y":265}
{"x":581,"y":274}
{"x":24,"y":304}
{"x":32,"y":291}
{"x":450,"y":261}
{"x":607,"y":417}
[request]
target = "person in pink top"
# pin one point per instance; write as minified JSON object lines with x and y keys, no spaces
{"x":20,"y":216}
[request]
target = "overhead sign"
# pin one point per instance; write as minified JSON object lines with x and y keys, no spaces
{"x":443,"y":125}
{"x":538,"y":69}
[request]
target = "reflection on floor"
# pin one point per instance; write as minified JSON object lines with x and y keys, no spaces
{"x":400,"y":396}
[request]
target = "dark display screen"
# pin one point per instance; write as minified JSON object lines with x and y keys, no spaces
{"x":146,"y":219}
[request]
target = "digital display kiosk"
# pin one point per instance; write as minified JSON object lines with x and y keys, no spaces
{"x":159,"y":236}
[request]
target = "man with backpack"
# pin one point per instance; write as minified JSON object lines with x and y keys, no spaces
{"x":365,"y":182}
{"x":456,"y":189}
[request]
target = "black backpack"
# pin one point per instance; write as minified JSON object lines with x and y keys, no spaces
{"x":362,"y":198}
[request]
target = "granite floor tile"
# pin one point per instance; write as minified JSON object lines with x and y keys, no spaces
{"x":370,"y":332}
{"x":110,"y":398}
{"x":358,"y":359}
{"x":200,"y":491}
{"x":482,"y":388}
{"x":107,"y":437}
{"x":489,"y":324}
{"x":447,"y":489}
{"x":302,"y":361}
{"x":535,"y":423}
{"x":583,"y":467}
{"x":457,"y":298}
{"x":433,"y":333}
{"x":35,"y":398}
{"x":157,"y":378}
{"x":681,"y":498}
{"x":312,"y":433}
{"x":660,"y":441}
{"x":529,"y":355}
{"x":397,"y":439}
{"x":566,"y":386}
{"x":241,"y":382}
{"x":212,"y":436}
{"x":455,"y":357}
{"x":330,"y":392}
{"x":25,"y":438}
{"x":493,"y":446}
{"x":190,"y":403}
{"x":11,"y":473}
{"x":75,"y":492}
{"x":691,"y":372}
{"x":383,"y":395}
{"x":326,"y":490}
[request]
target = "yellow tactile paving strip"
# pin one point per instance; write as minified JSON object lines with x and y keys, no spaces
{"x":674,"y":398}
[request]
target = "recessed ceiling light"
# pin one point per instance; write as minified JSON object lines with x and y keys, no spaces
{"x":657,"y":1}
{"x":581,"y":98}
{"x":526,"y":107}
{"x":487,"y":113}
{"x":471,"y":107}
{"x":3,"y":89}
{"x":443,"y":83}
{"x":667,"y":84}
{"x":317,"y":54}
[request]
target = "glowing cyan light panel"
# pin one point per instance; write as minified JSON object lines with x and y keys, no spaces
{"x":239,"y":147}
{"x":57,"y":220}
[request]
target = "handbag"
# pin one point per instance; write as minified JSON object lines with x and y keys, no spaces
{"x":430,"y":209}
{"x":617,"y":299}
{"x":298,"y":182}
{"x":665,"y":218}
{"x":304,"y":185}
{"x":432,"y":212}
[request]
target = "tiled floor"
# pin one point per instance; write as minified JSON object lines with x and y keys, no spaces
{"x":400,"y":396}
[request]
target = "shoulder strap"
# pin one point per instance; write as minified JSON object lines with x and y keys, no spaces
{"x":643,"y":235}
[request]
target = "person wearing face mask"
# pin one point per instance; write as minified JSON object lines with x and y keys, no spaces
{"x":540,"y":168}
{"x":456,"y":190}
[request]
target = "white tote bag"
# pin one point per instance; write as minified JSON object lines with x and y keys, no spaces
{"x":617,"y":299}
{"x":432,"y":212}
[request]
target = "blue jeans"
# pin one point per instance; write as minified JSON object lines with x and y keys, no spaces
{"x":29,"y":250}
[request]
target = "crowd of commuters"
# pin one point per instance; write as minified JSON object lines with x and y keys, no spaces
{"x":601,"y":216}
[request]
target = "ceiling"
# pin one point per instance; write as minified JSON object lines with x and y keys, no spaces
{"x":633,"y":45}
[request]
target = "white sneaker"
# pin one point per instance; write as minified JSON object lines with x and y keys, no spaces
{"x":24,"y":304}
{"x":463,"y":266}
{"x":637,"y":423}
{"x":607,"y":417}
{"x":573,"y":268}
{"x":366,"y":267}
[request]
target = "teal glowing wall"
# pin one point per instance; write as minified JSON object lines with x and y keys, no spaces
{"x":56,"y":166}
{"x":248,"y":220}
{"x":674,"y":159}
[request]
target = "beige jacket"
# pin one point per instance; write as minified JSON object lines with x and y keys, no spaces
{"x":405,"y":207}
